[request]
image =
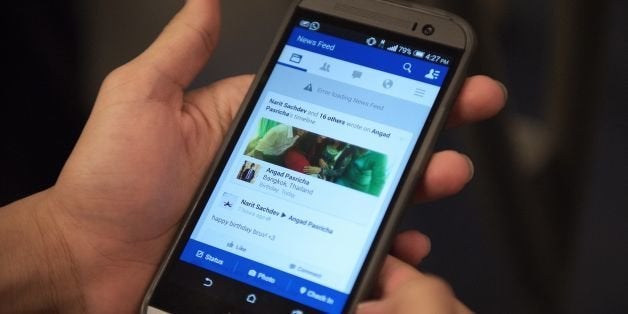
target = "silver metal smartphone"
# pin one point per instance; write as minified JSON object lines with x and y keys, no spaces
{"x":298,"y":210}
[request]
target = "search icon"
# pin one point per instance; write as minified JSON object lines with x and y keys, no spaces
{"x":407,"y":67}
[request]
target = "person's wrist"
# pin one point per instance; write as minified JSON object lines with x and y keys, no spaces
{"x":37,"y":272}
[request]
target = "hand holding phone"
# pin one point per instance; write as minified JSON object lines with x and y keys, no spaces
{"x":113,"y":210}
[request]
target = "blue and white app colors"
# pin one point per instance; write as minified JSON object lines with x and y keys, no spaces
{"x":275,"y":225}
{"x":301,"y":196}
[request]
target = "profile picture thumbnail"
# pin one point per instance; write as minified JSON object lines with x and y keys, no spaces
{"x":248,"y":171}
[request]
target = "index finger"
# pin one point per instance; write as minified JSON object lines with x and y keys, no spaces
{"x":395,"y":274}
{"x":480,"y":98}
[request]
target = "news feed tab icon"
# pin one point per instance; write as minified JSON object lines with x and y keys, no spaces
{"x":296,"y":58}
{"x":432,"y":74}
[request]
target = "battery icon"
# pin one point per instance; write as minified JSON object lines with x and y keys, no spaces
{"x":418,"y":53}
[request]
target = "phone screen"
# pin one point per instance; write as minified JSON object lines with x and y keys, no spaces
{"x":299,"y":200}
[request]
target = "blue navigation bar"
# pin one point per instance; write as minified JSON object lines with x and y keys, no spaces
{"x":371,"y":57}
{"x":264,"y":277}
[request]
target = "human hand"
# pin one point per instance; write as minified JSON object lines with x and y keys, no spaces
{"x":311,"y":170}
{"x":404,"y":290}
{"x":401,"y":288}
{"x":124,"y":189}
{"x":322,"y":164}
{"x":122,"y":193}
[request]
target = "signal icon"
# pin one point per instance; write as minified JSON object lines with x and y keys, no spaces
{"x":393,"y":48}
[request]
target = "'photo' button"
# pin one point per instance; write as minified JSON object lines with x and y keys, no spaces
{"x":261,"y":275}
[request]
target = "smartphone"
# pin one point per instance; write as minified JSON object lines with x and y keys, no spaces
{"x":297,"y":212}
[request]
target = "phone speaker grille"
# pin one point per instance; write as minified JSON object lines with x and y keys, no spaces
{"x":373,"y":15}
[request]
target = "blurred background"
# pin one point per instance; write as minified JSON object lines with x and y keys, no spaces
{"x":540,"y":229}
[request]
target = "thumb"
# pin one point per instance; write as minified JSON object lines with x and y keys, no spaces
{"x":185,"y":44}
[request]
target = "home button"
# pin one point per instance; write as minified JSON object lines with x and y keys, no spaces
{"x":251,"y":298}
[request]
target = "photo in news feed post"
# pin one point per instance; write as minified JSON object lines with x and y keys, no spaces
{"x":319,"y":156}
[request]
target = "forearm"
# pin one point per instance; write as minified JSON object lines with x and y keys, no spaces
{"x":35,"y":264}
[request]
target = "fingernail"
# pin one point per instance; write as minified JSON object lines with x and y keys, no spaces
{"x":471,"y":167}
{"x":504,"y":90}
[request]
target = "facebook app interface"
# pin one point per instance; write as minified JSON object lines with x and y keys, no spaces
{"x":301,"y":197}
